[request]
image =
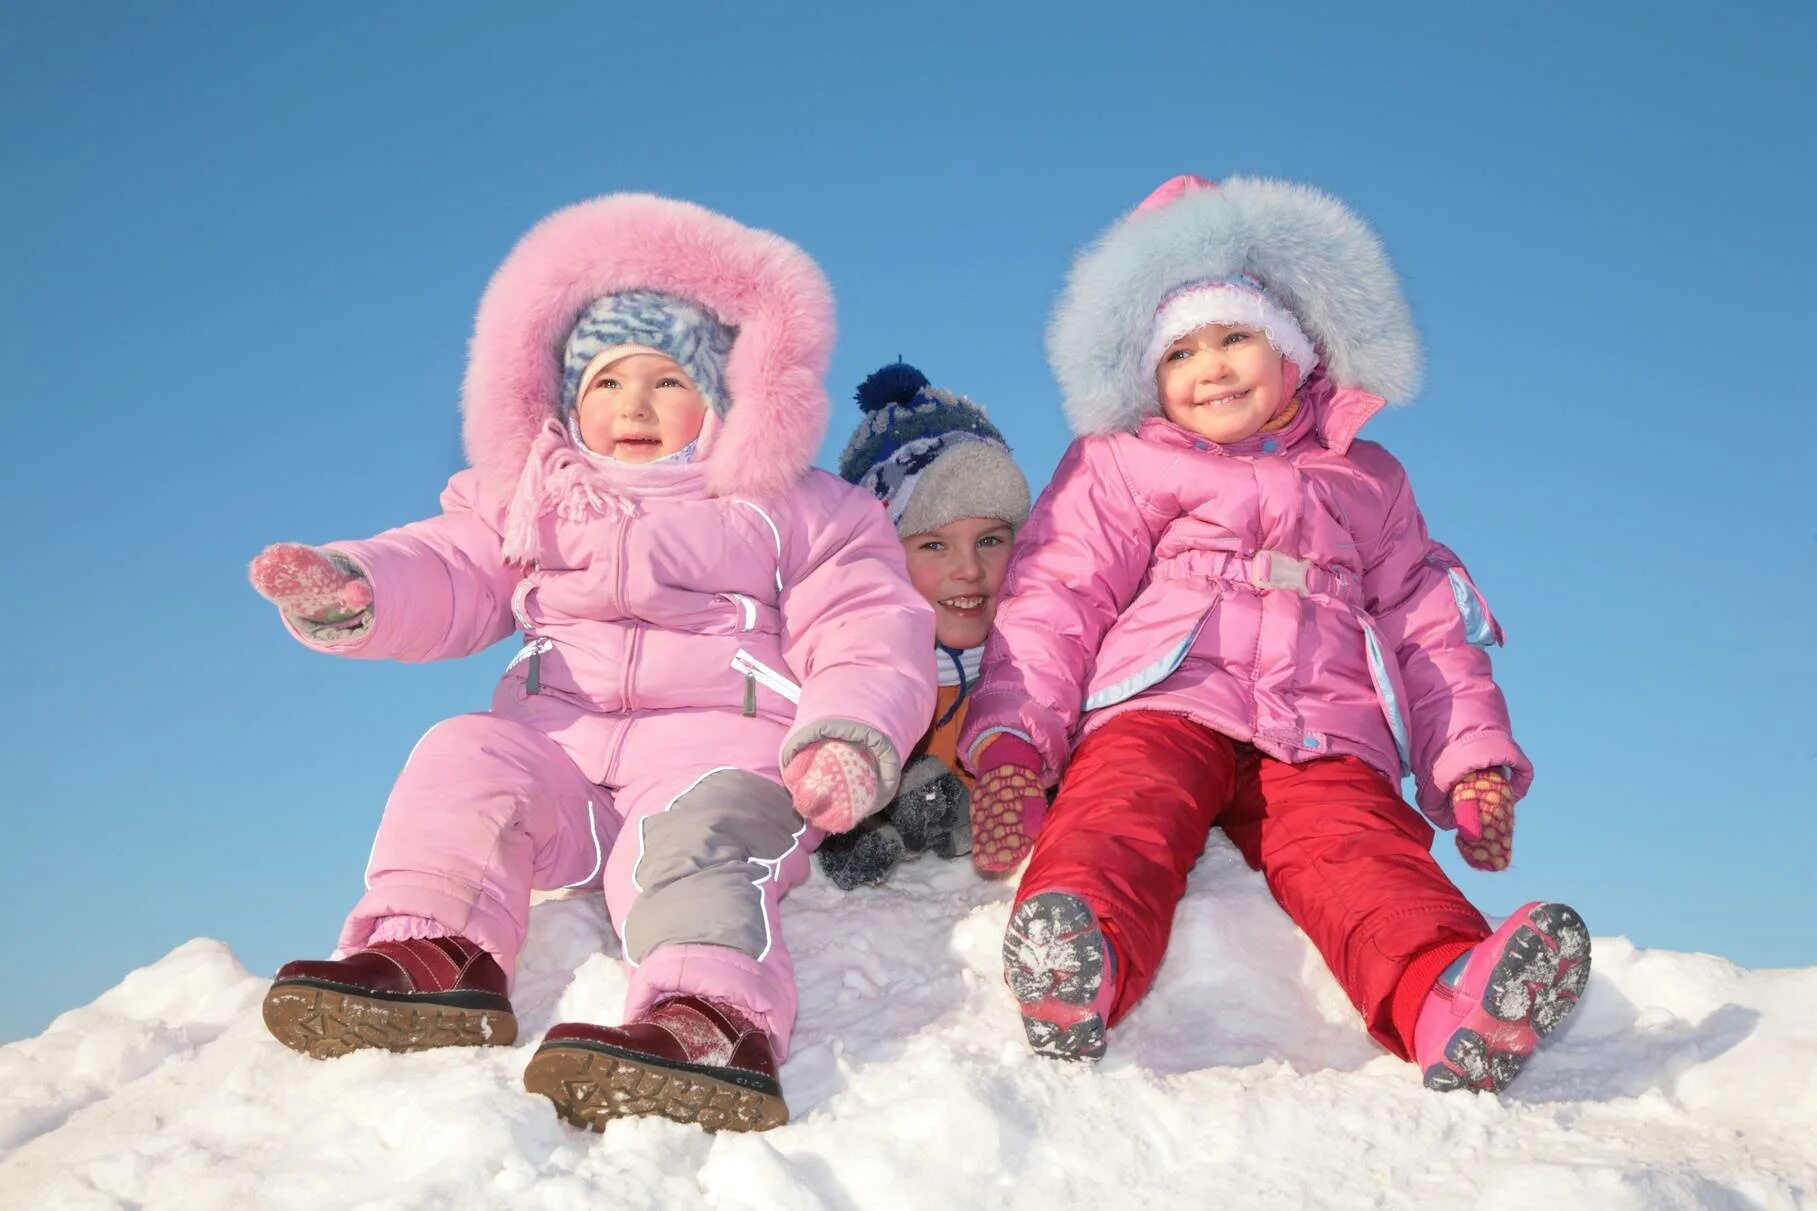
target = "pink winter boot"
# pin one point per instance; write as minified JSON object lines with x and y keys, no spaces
{"x":685,"y":1058}
{"x":1478,"y":1026}
{"x":1061,"y":968}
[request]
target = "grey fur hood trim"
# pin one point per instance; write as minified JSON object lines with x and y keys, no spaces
{"x":1315,"y":257}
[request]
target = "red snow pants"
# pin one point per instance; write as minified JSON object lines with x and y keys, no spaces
{"x":1342,"y":853}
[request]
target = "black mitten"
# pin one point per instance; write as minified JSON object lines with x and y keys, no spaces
{"x":865,"y":856}
{"x":932,"y":810}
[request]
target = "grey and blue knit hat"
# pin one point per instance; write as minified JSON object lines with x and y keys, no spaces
{"x":684,"y":330}
{"x":930,"y":456}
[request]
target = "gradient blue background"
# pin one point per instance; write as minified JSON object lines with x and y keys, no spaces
{"x":243,"y":246}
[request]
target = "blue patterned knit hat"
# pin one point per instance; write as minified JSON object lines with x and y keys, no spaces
{"x":684,"y":330}
{"x":930,"y":456}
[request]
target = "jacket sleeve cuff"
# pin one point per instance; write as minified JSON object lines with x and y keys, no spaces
{"x":999,"y":712}
{"x":866,"y":737}
{"x":1484,"y":750}
{"x":1005,"y":746}
{"x":330,"y":634}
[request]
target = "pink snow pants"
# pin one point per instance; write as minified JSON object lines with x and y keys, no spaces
{"x":680,"y":815}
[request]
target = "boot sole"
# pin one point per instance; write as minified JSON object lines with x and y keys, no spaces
{"x":592,"y":1084}
{"x":1537,"y":982}
{"x":325,"y":1022}
{"x":1053,"y":962}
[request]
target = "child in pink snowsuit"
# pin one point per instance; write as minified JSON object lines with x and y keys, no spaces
{"x":711,"y":675}
{"x":1225,"y":611}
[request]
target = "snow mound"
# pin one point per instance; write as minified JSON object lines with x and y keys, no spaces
{"x":1245,"y":1079}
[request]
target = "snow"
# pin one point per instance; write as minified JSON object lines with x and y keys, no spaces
{"x":1245,"y":1079}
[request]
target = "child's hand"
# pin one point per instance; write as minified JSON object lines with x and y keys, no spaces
{"x":1484,"y":805}
{"x":1008,"y":804}
{"x":310,"y":584}
{"x":833,"y":783}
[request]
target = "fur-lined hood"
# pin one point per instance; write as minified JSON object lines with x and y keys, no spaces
{"x":1315,"y":257}
{"x":757,"y":282}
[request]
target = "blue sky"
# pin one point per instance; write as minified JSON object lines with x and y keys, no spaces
{"x":243,"y":245}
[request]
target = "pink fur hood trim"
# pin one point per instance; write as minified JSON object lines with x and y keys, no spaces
{"x":758,"y":282}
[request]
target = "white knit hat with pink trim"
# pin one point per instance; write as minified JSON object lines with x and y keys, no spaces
{"x":1239,"y":301}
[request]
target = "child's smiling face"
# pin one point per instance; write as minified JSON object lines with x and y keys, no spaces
{"x":959,"y":569}
{"x":1222,"y":382}
{"x":639,"y":408}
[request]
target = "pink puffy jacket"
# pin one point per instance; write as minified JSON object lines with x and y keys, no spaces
{"x":1282,"y":590}
{"x":689,"y":601}
{"x":737,"y":582}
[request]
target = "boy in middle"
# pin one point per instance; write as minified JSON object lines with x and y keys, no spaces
{"x":956,"y":497}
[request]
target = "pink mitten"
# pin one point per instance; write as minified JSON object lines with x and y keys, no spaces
{"x":1484,"y":805}
{"x":1008,"y":803}
{"x":833,"y":783}
{"x":310,"y":584}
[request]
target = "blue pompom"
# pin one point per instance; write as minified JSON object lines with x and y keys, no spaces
{"x":896,"y":383}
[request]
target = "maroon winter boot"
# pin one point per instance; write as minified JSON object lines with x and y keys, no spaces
{"x":685,"y":1058}
{"x":401,"y":996}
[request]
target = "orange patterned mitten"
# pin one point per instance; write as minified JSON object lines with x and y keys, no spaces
{"x":1008,"y":804}
{"x":1484,"y":805}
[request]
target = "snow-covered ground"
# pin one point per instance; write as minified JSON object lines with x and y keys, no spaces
{"x":1245,"y":1080}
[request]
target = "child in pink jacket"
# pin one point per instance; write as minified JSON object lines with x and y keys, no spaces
{"x":1225,"y":610}
{"x":710,"y":677}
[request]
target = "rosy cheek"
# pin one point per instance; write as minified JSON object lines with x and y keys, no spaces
{"x":688,"y":427}
{"x":925,"y":575}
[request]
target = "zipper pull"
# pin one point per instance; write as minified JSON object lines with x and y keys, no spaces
{"x":533,"y":680}
{"x":750,"y":696}
{"x":757,"y":671}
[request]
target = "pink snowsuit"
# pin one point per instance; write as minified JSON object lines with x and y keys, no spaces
{"x":672,"y":615}
{"x":1288,"y":597}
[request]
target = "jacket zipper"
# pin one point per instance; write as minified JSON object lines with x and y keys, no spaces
{"x":631,"y":646}
{"x":622,"y":528}
{"x":534,"y":647}
{"x":757,"y":673}
{"x":532,"y":651}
